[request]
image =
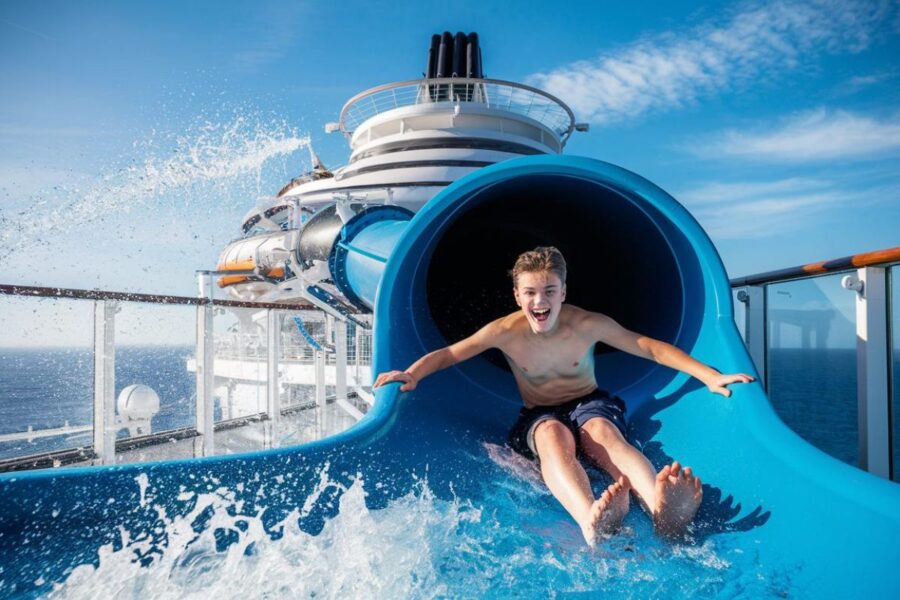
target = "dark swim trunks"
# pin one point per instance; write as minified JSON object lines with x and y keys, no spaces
{"x":573,"y":414}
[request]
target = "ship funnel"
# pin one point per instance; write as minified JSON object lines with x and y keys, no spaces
{"x":454,"y":56}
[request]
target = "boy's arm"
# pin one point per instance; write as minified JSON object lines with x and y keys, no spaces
{"x":606,"y":330}
{"x":475,"y":344}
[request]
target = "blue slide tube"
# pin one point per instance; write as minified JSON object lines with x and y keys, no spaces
{"x":362,"y":250}
{"x":805,"y":523}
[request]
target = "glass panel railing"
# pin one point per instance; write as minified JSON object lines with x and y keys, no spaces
{"x":240,"y":385}
{"x":740,"y":314}
{"x":315,"y":409}
{"x":154,"y":390}
{"x":894,"y":300}
{"x":812,"y":362}
{"x":301,"y":418}
{"x":359,"y":351}
{"x":66,"y":354}
{"x":46,"y":376}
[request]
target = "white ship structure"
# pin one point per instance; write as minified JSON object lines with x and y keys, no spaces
{"x":408,"y":141}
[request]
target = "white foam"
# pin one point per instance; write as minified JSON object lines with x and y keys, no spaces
{"x":143,"y":482}
{"x":519,"y":543}
{"x":358,"y":554}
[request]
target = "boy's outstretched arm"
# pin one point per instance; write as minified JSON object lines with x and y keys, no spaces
{"x":475,"y":344}
{"x":609,"y":332}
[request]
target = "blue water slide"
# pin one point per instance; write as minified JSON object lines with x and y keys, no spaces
{"x":779,"y":518}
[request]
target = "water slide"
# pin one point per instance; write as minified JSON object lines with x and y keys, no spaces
{"x":430,"y":499}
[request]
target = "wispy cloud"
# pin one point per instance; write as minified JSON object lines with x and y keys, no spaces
{"x":811,"y":136}
{"x":720,"y":193}
{"x":854,"y":84}
{"x":276,"y":27}
{"x":28,"y":30}
{"x":675,"y":69}
{"x":759,"y":209}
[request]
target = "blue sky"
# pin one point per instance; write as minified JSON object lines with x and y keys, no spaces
{"x":134,"y":136}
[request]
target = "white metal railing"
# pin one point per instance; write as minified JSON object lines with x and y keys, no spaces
{"x":343,"y":352}
{"x":508,"y":96}
{"x":868,"y":278}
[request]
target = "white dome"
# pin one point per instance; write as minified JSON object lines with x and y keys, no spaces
{"x":138,"y":401}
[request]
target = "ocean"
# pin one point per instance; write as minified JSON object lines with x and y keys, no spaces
{"x":47,"y":387}
{"x":813,"y":391}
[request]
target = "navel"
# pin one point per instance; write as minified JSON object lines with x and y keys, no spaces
{"x":575,"y":364}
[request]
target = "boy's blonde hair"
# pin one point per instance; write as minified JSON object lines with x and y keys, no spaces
{"x":542,"y":258}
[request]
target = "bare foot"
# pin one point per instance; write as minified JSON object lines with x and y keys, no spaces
{"x":678,"y":496}
{"x":608,"y":511}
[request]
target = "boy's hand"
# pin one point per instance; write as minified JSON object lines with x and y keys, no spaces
{"x":717,"y":384}
{"x":409,"y":382}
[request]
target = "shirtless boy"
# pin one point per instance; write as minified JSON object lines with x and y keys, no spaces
{"x":550,"y":348}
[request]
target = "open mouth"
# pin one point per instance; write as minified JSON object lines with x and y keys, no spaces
{"x":541,"y":315}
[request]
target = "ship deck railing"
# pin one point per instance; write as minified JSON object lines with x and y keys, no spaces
{"x":841,"y":319}
{"x":284,"y":412}
{"x":508,"y":96}
{"x":848,"y":303}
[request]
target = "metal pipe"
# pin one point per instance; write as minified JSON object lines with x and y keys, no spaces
{"x":755,"y":338}
{"x":321,"y":401}
{"x":77,"y":294}
{"x":273,"y":357}
{"x":846,"y":263}
{"x":872,"y":360}
{"x":340,"y":365}
{"x":104,"y":381}
{"x":205,"y":374}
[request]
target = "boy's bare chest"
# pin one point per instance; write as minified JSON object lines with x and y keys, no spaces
{"x":568,"y":357}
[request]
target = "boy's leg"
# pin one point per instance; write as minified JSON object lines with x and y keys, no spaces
{"x":671,"y":496}
{"x":567,"y":481}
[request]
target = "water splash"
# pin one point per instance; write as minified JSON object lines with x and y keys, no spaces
{"x":210,"y":160}
{"x":360,"y":554}
{"x":419,"y":546}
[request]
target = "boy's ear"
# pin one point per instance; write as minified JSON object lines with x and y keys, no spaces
{"x":563,"y":293}
{"x":516,"y":296}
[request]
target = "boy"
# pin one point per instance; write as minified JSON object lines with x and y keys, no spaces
{"x":550,"y":348}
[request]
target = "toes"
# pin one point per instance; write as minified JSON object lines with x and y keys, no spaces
{"x":688,"y":473}
{"x":676,"y":468}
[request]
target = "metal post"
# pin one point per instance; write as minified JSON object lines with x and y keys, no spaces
{"x":205,"y":365}
{"x":340,"y":362}
{"x":104,"y":381}
{"x":872,"y":354}
{"x":754,"y":299}
{"x":329,"y":328}
{"x":273,"y":354}
{"x":357,"y":339}
{"x":322,"y":425}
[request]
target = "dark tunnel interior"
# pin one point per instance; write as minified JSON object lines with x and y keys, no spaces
{"x":619,"y":262}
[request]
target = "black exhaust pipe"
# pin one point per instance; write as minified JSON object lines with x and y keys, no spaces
{"x":433,"y":56}
{"x":459,"y":53}
{"x":454,"y":56}
{"x":445,"y":56}
{"x":473,"y":58}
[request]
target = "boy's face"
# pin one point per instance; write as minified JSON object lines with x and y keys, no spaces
{"x":540,"y":294}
